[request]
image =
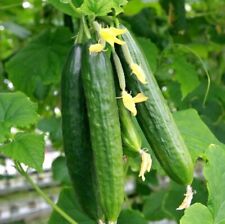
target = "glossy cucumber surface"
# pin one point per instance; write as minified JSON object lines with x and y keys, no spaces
{"x":76,"y":137}
{"x":156,"y":119}
{"x":105,"y":131}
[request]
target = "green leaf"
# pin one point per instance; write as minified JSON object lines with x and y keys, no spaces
{"x":59,"y":170}
{"x":153,"y":207}
{"x":67,"y":202}
{"x":150,"y":50}
{"x":197,"y":214}
{"x":173,"y":199}
{"x":214,"y":173}
{"x":118,"y":4}
{"x":64,"y":7}
{"x":185,"y":74}
{"x":27,"y":148}
{"x":16,"y":110}
{"x":196,"y":134}
{"x":135,"y":6}
{"x":199,"y":186}
{"x":4,"y":131}
{"x":175,"y":195}
{"x":53,"y":126}
{"x":131,"y":217}
{"x":42,"y":59}
{"x":96,"y":8}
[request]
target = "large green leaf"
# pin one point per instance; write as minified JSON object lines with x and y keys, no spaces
{"x":131,"y":217}
{"x":102,"y":7}
{"x":64,"y":6}
{"x":214,"y":171}
{"x":67,"y":202}
{"x":153,"y":206}
{"x":118,"y":4}
{"x":175,"y":66}
{"x":172,"y":200}
{"x":197,"y":214}
{"x":96,"y":8}
{"x":42,"y":59}
{"x":150,"y":50}
{"x":52,"y":125}
{"x":4,"y":131}
{"x":27,"y":148}
{"x":135,"y":6}
{"x":162,"y":204}
{"x":196,"y":134}
{"x":185,"y":73}
{"x":60,"y":171}
{"x":16,"y":110}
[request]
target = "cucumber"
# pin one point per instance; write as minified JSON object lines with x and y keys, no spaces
{"x":155,"y":117}
{"x":132,"y":140}
{"x":76,"y":137}
{"x":105,"y":131}
{"x":130,"y":137}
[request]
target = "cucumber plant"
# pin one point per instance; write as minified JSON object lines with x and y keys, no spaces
{"x":112,"y":105}
{"x":109,"y":126}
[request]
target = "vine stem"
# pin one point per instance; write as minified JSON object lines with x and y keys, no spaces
{"x":42,"y":194}
{"x":85,"y":27}
{"x":79,"y":38}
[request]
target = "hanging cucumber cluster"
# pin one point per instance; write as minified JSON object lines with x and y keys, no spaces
{"x":107,"y":84}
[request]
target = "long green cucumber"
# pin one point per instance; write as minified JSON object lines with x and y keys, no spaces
{"x":105,"y":131}
{"x":76,"y":135}
{"x":156,"y":119}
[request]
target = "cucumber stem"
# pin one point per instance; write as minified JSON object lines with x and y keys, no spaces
{"x":79,"y":38}
{"x":85,"y":27}
{"x":127,"y":54}
{"x":42,"y":194}
{"x":119,"y":70}
{"x":97,"y":26}
{"x":106,"y":19}
{"x":117,"y":23}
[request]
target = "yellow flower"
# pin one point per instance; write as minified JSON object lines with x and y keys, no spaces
{"x":140,"y":97}
{"x":145,"y":164}
{"x":96,"y":48}
{"x":137,"y":70}
{"x":129,"y":101}
{"x":187,"y":200}
{"x":110,"y":35}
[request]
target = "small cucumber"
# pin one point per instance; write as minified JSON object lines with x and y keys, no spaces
{"x":130,"y":136}
{"x":105,"y":131}
{"x":155,"y":117}
{"x":76,"y":137}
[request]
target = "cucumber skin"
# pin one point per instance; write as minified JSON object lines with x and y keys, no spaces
{"x":105,"y":131}
{"x":130,"y":136}
{"x":76,"y":137}
{"x":156,"y":119}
